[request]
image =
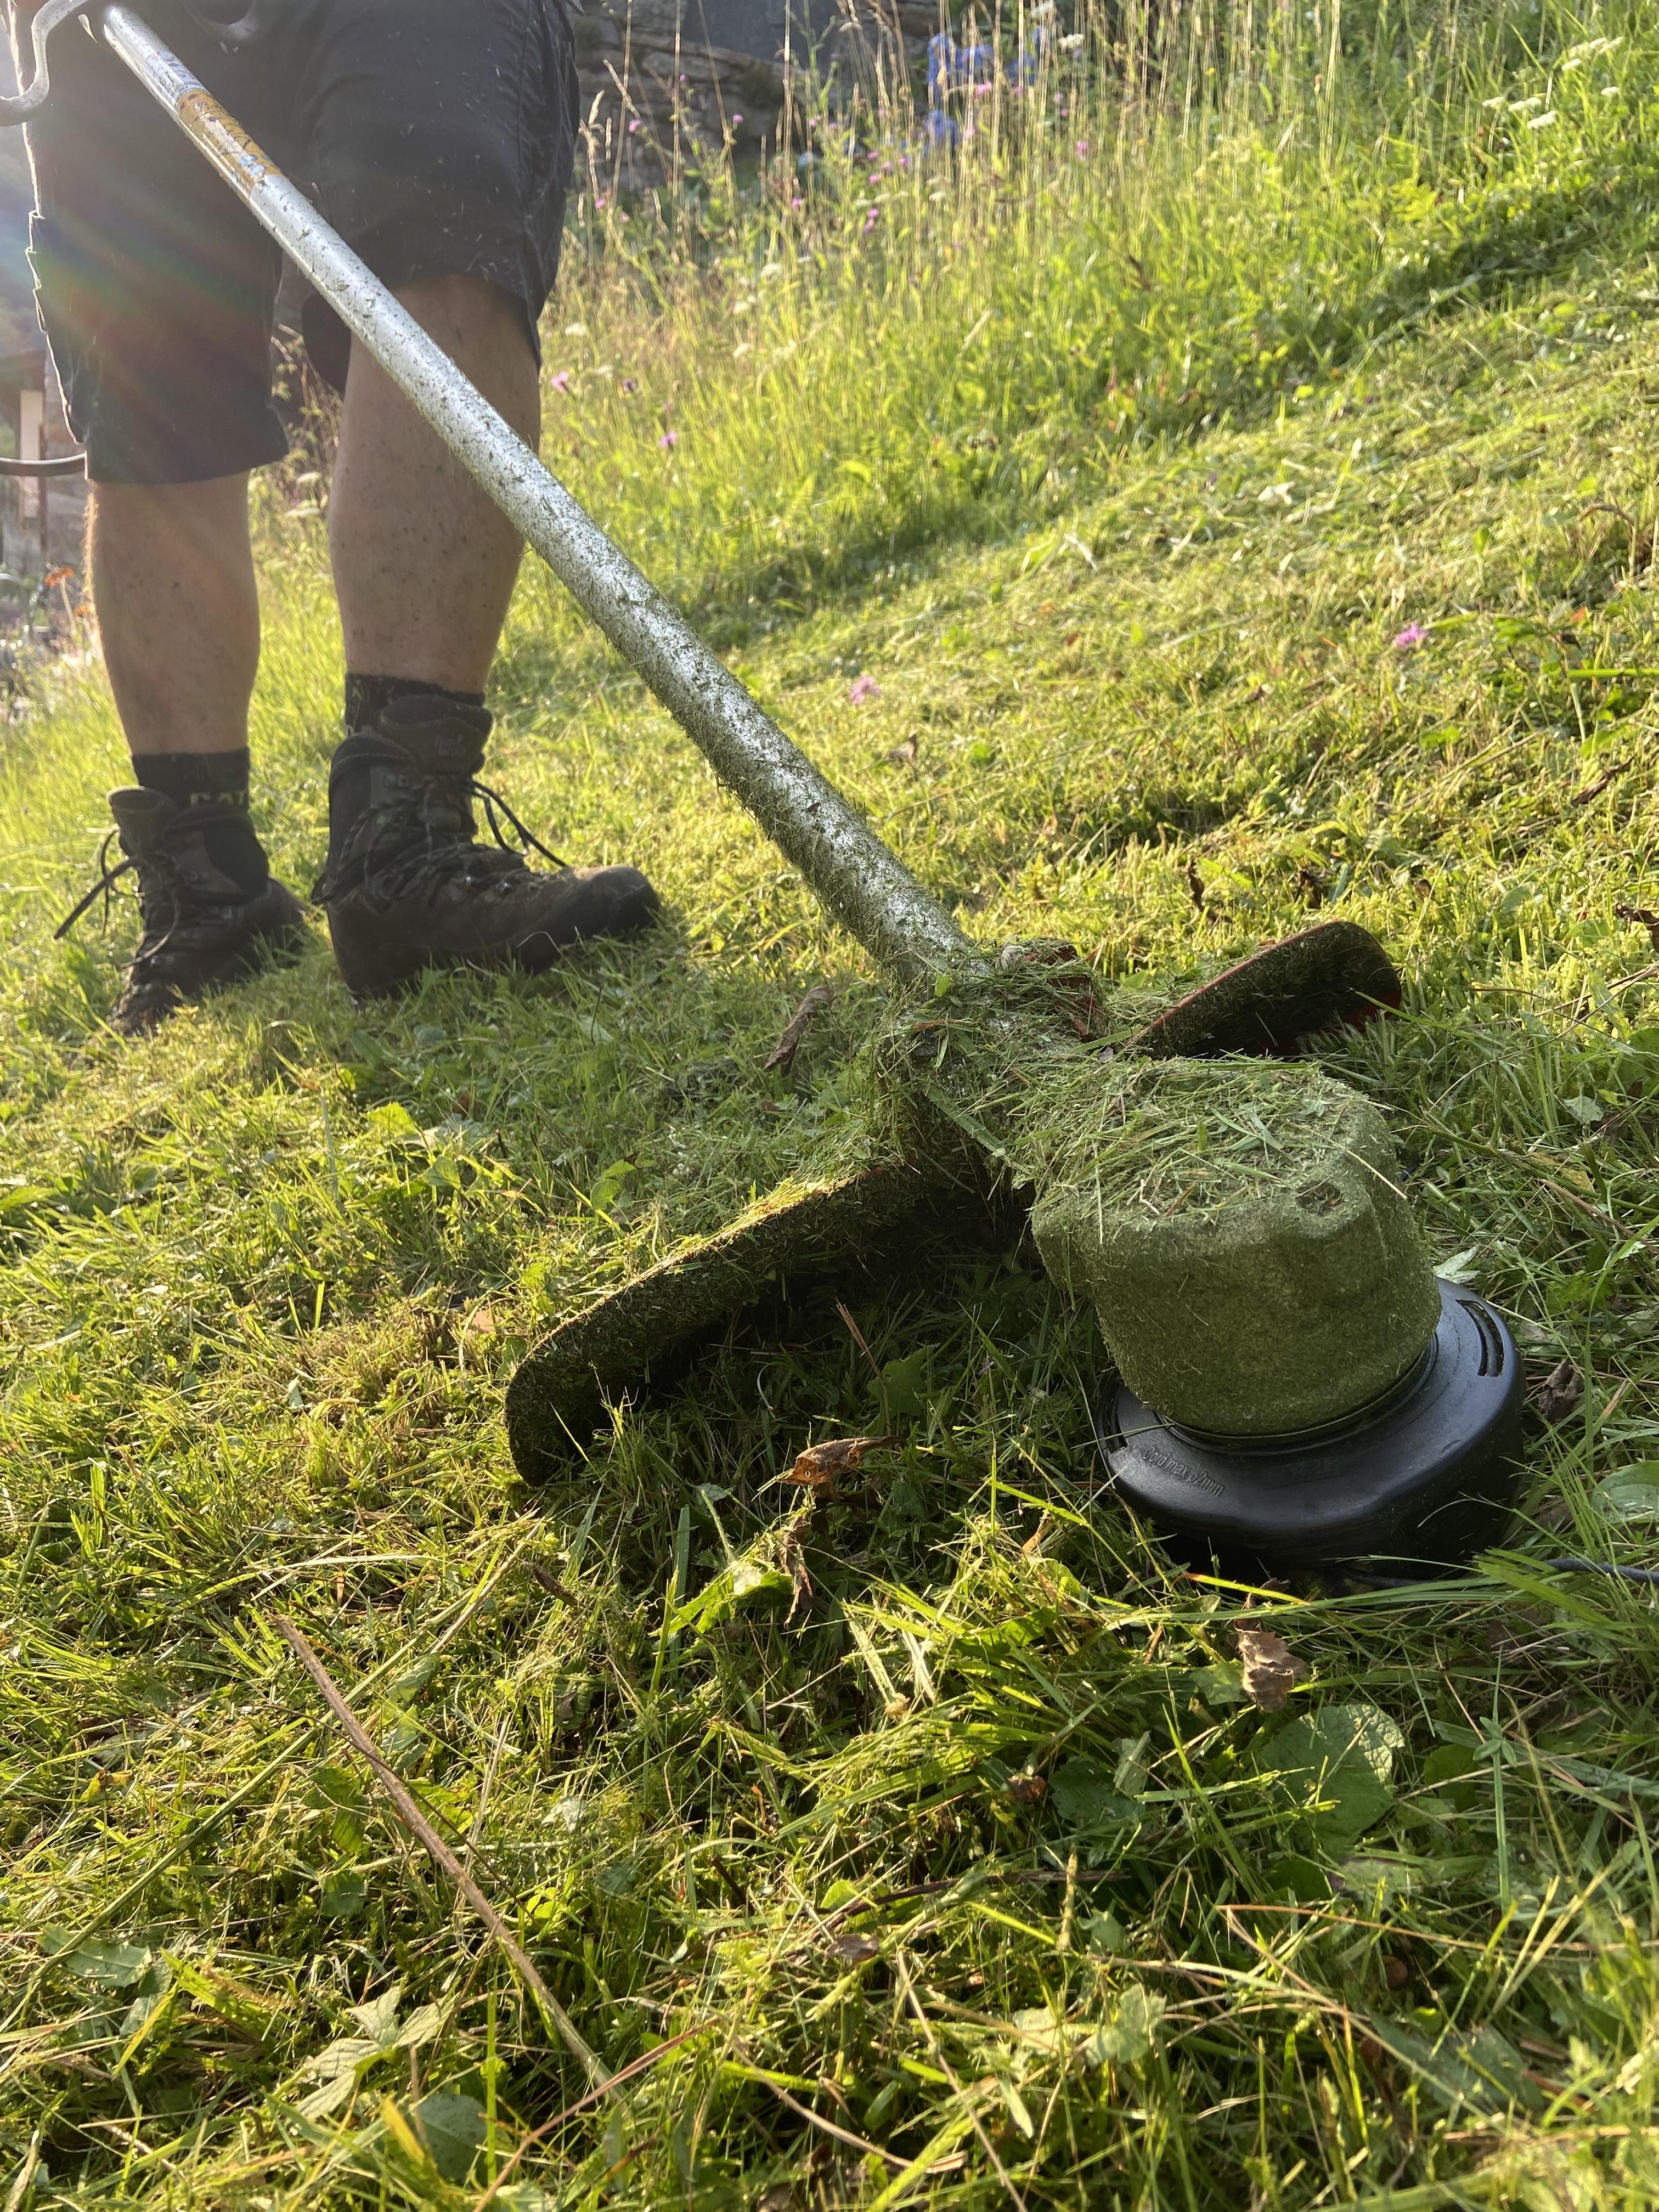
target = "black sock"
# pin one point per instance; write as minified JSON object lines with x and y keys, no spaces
{"x":367,"y":697}
{"x":195,"y":778}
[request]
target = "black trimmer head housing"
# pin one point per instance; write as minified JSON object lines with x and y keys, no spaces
{"x":1413,"y":1483}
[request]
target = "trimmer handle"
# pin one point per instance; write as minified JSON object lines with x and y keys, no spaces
{"x":234,"y":22}
{"x":32,"y":98}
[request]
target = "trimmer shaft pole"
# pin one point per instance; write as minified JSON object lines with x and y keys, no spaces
{"x":868,"y":889}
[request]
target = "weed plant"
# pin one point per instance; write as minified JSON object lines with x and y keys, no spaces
{"x":925,"y":1831}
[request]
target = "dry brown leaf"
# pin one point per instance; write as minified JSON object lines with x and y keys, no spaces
{"x":817,"y":1468}
{"x":855,"y":1950}
{"x":783,"y":1053}
{"x":1027,"y":1789}
{"x":1644,"y":914}
{"x":1562,"y":1388}
{"x":1272,"y":1669}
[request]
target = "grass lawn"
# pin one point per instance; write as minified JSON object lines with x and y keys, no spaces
{"x":978,"y":1880}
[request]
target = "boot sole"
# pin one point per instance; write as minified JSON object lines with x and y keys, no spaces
{"x":384,"y":979}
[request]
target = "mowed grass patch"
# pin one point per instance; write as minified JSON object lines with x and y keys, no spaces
{"x":981,"y":1857}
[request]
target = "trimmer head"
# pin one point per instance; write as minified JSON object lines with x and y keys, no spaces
{"x":1420,"y":1479}
{"x":1258,"y":1446}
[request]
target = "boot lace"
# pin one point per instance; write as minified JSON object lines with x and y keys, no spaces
{"x":105,"y":888}
{"x":420,"y":849}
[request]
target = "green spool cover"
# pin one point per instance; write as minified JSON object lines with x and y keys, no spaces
{"x":1239,"y":1230}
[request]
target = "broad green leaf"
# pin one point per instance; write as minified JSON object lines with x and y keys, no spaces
{"x":452,"y":2126}
{"x":1337,"y":1766}
{"x":106,"y":1966}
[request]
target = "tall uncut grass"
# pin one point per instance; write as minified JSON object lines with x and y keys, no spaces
{"x":1185,"y":218}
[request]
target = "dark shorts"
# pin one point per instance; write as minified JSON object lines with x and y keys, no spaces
{"x":436,"y":135}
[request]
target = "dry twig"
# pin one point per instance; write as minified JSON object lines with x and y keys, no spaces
{"x":404,"y":1804}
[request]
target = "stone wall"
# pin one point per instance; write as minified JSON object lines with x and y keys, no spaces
{"x":717,"y":67}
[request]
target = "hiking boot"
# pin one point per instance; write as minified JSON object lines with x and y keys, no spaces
{"x":212,"y":910}
{"x":409,"y":885}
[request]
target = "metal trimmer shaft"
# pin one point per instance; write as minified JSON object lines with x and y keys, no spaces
{"x":865,"y":887}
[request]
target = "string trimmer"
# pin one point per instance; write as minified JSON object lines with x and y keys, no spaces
{"x":1290,"y":1380}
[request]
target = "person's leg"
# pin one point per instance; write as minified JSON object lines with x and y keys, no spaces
{"x":178,"y":612}
{"x":156,"y":288}
{"x":441,"y":140}
{"x":424,"y":561}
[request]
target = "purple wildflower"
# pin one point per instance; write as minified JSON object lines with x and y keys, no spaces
{"x":735,"y":119}
{"x":562,"y":381}
{"x":630,"y":383}
{"x":1413,"y":635}
{"x":1084,"y":149}
{"x":669,"y":439}
{"x":863,"y":688}
{"x":798,"y":203}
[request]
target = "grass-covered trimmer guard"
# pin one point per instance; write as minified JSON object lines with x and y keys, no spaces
{"x":1294,"y":1383}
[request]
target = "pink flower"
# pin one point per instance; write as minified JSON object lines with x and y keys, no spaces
{"x":735,"y":119}
{"x":1083,"y":150}
{"x":633,"y":127}
{"x":981,"y":92}
{"x":798,"y":204}
{"x":669,"y":439}
{"x":600,"y":202}
{"x":630,"y":383}
{"x":1414,"y":633}
{"x":562,"y":381}
{"x":863,"y":688}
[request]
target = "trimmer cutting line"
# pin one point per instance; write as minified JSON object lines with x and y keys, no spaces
{"x":1290,"y":1382}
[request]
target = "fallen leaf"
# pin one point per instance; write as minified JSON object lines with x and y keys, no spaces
{"x":1271,"y":1670}
{"x":1027,"y":1788}
{"x":855,"y":1950}
{"x":783,"y":1053}
{"x":817,"y":1468}
{"x":1560,"y":1391}
{"x":904,"y":756}
{"x":1646,"y":916}
{"x":1196,"y":885}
